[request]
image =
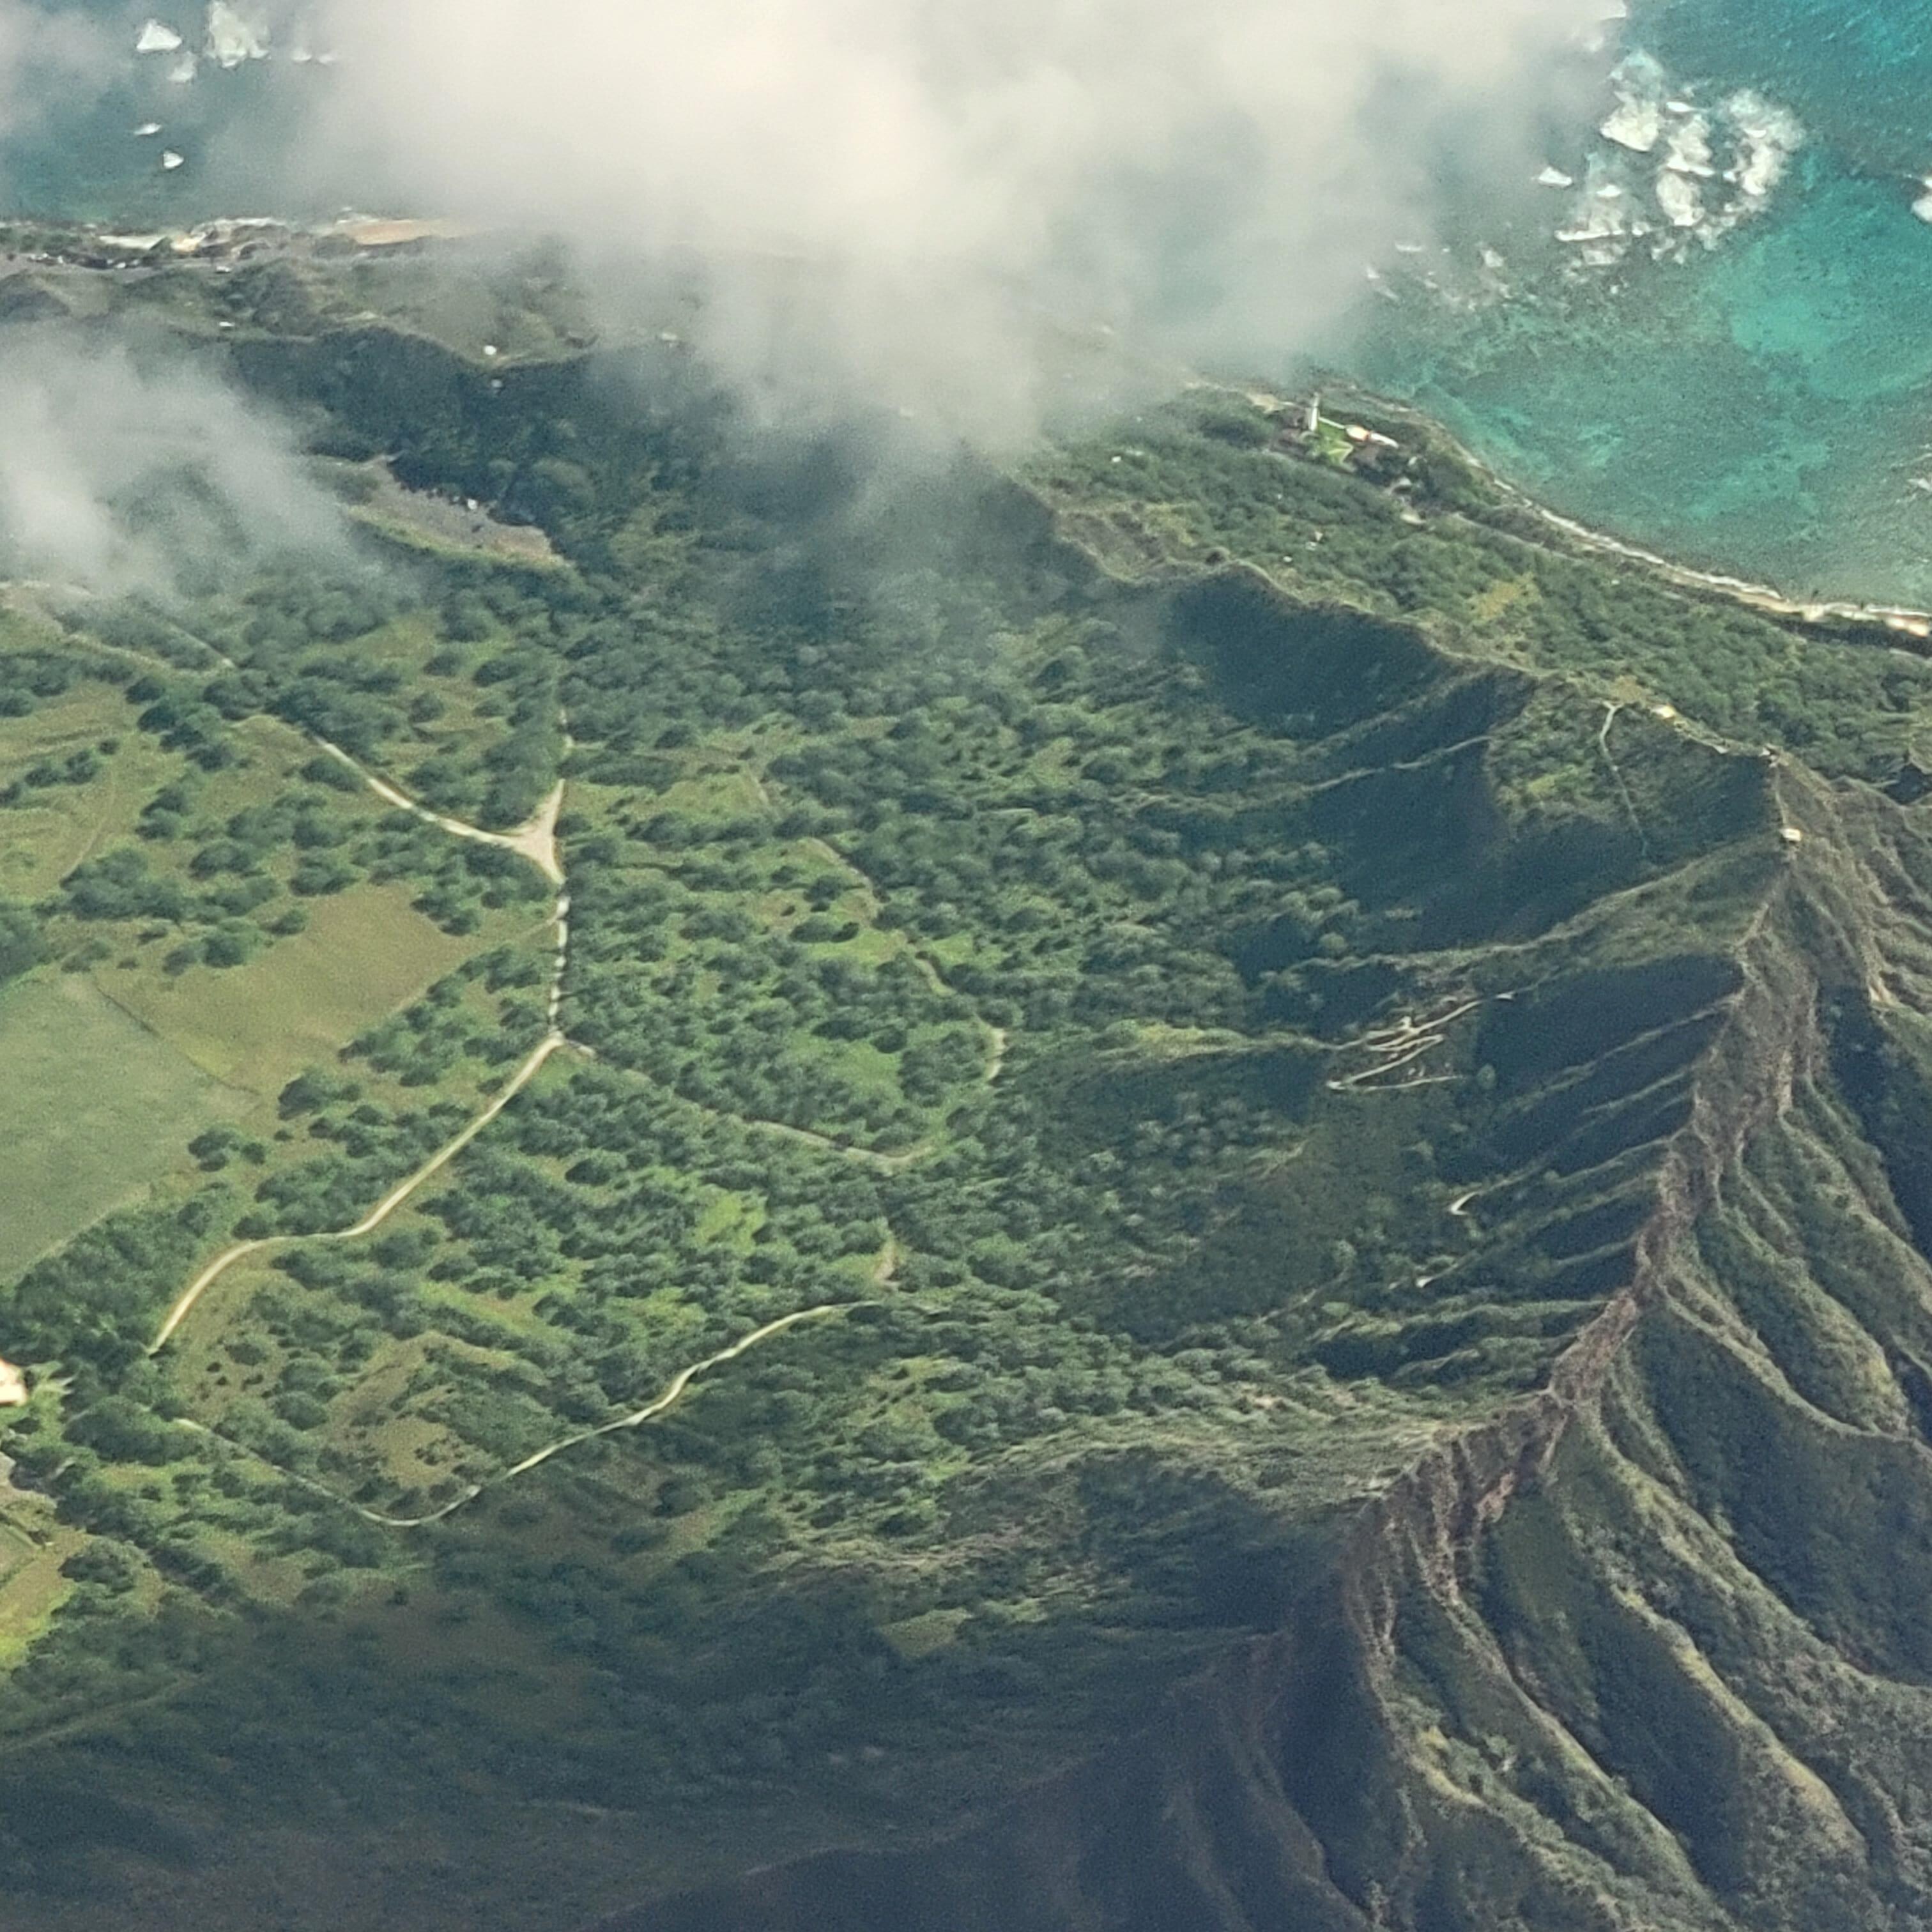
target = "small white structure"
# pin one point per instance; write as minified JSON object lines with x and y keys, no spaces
{"x":170,"y":161}
{"x":13,"y":1387}
{"x":157,"y":36}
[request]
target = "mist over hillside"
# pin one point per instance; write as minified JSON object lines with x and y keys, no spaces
{"x":1209,"y":187}
{"x":126,"y":472}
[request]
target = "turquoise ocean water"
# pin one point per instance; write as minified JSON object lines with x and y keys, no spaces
{"x":1764,"y":406}
{"x":1761,"y":405}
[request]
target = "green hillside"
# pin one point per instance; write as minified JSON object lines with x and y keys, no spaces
{"x":1194,"y":1194}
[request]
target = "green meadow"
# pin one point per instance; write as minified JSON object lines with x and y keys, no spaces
{"x":364,"y":952}
{"x":94,"y":1108}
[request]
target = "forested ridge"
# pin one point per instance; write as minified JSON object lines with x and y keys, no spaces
{"x":1338,"y":1085}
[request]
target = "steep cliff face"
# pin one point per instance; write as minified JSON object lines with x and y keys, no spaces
{"x":1650,"y":1649}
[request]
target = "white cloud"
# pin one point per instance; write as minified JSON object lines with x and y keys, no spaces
{"x":902,"y":198}
{"x":1210,"y":175}
{"x":119,"y":472}
{"x":49,"y":59}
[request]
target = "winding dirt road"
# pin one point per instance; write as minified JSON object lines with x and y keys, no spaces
{"x":535,"y":841}
{"x":184,"y":1305}
{"x":674,"y":1392}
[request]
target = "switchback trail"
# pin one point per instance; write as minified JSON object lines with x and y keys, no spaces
{"x":1396,"y":1046}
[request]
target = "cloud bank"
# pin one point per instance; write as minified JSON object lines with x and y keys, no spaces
{"x":49,"y":58}
{"x":946,"y":206}
{"x":1206,"y":179}
{"x":118,"y":473}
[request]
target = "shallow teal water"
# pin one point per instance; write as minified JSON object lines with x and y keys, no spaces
{"x":1765,"y":408}
{"x":1856,"y":70}
{"x":69,"y":152}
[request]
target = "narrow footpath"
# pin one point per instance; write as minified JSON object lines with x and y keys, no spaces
{"x":184,"y":1305}
{"x":674,"y":1392}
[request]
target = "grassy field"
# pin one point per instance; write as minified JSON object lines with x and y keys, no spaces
{"x":366,"y":952}
{"x":45,"y":837}
{"x":32,"y":1547}
{"x":93,"y":1107}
